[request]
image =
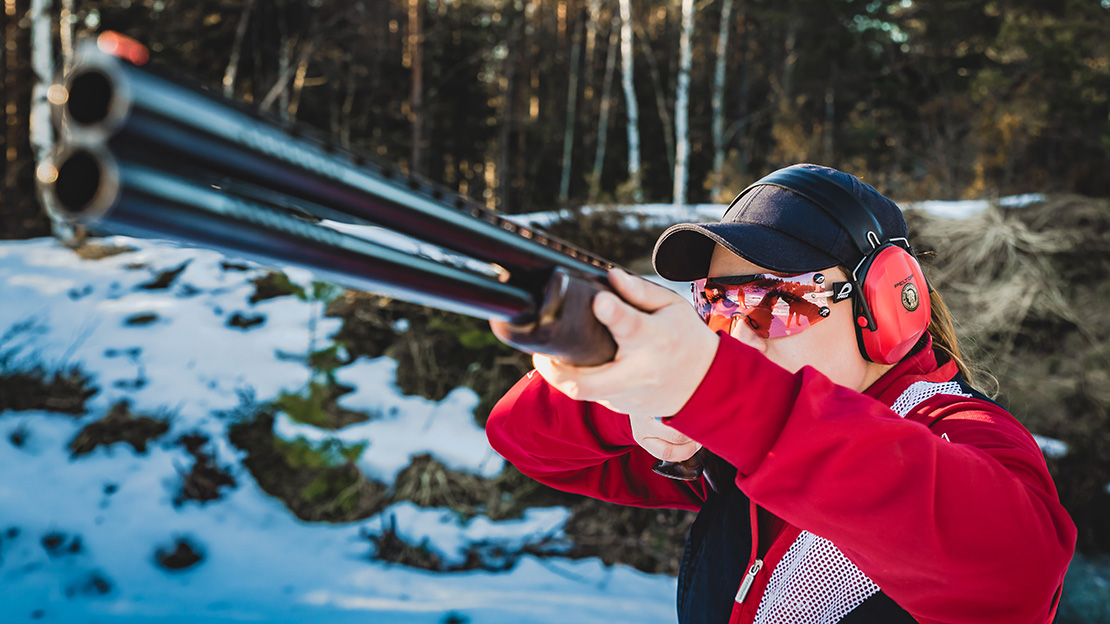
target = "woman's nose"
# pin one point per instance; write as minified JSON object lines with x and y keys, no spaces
{"x":740,"y":329}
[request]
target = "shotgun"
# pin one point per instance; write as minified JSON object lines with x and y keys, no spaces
{"x":148,"y":155}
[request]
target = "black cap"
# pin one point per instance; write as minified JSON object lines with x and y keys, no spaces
{"x":779,"y":229}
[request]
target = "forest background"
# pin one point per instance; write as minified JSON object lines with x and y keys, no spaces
{"x":528,"y":106}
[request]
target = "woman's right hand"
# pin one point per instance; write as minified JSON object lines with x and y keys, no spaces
{"x":661,"y":441}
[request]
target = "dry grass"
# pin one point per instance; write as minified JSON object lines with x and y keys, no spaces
{"x":995,"y":271}
{"x":120,"y":424}
{"x":1028,"y":288}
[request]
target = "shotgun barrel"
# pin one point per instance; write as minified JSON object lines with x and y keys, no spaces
{"x":147,"y":155}
{"x":122,"y":197}
{"x":150,"y":155}
{"x":139,"y":113}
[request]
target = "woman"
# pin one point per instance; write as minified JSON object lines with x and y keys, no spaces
{"x":853,"y":475}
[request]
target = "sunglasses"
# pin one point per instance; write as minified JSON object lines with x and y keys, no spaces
{"x":772,"y":305}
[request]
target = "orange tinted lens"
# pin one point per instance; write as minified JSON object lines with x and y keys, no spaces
{"x":772,"y":306}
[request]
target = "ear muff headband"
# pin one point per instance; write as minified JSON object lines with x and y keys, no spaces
{"x":892,"y":309}
{"x":839,"y":203}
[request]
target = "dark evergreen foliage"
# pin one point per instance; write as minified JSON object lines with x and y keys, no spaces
{"x":926,"y":98}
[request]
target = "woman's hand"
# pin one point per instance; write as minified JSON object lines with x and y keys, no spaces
{"x":662,"y":441}
{"x":663,"y":352}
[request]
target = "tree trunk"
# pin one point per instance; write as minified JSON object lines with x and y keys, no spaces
{"x":66,"y":20}
{"x":236,"y":49}
{"x":719,"y":142}
{"x":593,"y":13}
{"x":630,"y":101}
{"x":603,"y":122}
{"x":416,"y":100}
{"x":828,"y":129}
{"x":298,"y":80}
{"x":682,"y":105}
{"x":14,"y":85}
{"x":288,"y":73}
{"x":508,"y":118}
{"x":740,"y":133}
{"x":348,"y":106}
{"x":660,"y":96}
{"x":41,"y":129}
{"x":285,"y":68}
{"x":572,"y":112}
{"x":789,"y":58}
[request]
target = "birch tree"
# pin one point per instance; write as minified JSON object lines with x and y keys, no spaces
{"x":682,"y":104}
{"x":66,"y":20}
{"x":719,"y":141}
{"x":41,"y":130}
{"x":593,"y":12}
{"x":603,"y":121}
{"x":630,"y":102}
{"x":237,"y":49}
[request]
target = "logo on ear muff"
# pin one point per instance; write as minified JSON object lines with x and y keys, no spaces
{"x":910,"y":298}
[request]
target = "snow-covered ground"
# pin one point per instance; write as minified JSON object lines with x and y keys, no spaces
{"x":79,"y":536}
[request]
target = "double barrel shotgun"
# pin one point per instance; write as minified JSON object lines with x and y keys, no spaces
{"x":146,"y":154}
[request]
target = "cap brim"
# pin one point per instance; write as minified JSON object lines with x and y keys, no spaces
{"x":683,"y":251}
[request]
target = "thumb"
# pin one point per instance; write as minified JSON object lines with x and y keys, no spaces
{"x":639,"y":292}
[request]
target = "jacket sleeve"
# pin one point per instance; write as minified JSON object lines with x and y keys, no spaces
{"x":579,"y":447}
{"x":964,"y":527}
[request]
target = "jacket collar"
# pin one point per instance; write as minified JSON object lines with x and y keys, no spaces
{"x":920,"y":365}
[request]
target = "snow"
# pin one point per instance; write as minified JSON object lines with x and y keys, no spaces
{"x":967,"y":208}
{"x":406,"y":426}
{"x":653,"y":215}
{"x":662,"y":215}
{"x":113,"y":509}
{"x":1051,"y":447}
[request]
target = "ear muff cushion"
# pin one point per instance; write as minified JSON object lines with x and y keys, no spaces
{"x":897,"y":295}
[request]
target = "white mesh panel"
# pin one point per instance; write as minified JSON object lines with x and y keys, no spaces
{"x":813,"y":584}
{"x":922,"y":390}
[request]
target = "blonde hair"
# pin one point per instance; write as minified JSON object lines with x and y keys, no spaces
{"x":946,"y":345}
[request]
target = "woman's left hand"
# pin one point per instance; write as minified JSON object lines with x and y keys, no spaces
{"x":661,"y":441}
{"x":663,"y":351}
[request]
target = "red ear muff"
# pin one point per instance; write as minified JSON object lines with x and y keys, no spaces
{"x":892,"y":304}
{"x":892,"y":296}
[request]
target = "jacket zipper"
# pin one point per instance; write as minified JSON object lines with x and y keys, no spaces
{"x":756,"y":564}
{"x":749,"y":578}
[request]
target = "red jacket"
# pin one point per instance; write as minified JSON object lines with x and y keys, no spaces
{"x":950,"y":510}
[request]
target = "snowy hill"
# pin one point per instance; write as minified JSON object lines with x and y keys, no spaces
{"x":108,"y":532}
